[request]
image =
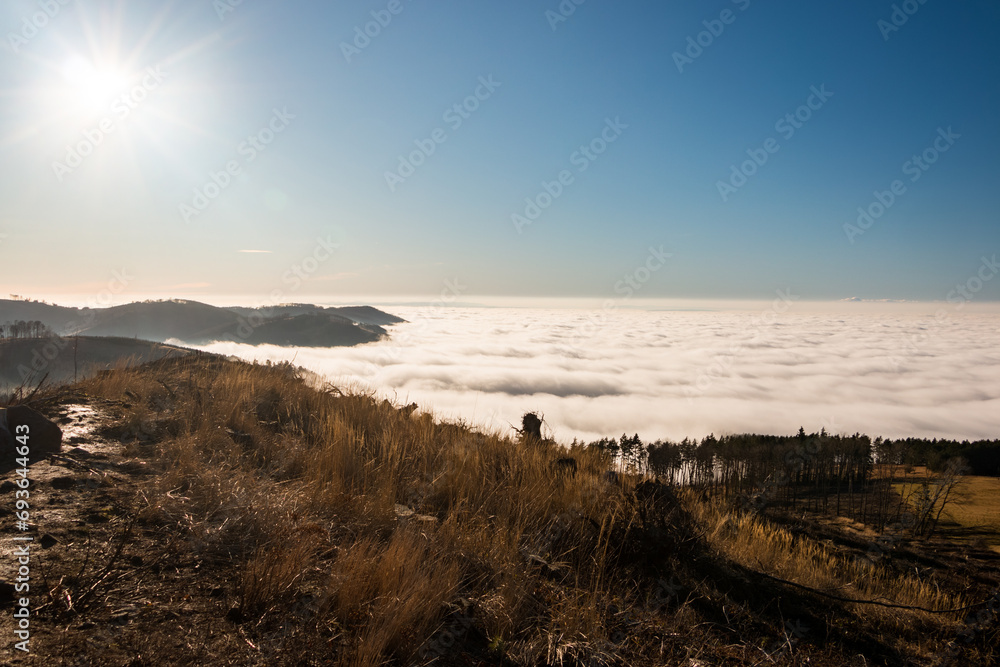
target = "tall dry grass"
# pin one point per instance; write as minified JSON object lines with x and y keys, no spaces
{"x":760,"y":545}
{"x":300,"y":487}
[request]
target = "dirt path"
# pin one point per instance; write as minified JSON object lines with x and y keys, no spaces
{"x":77,"y":548}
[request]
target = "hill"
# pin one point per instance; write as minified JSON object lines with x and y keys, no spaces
{"x":196,"y":323}
{"x":57,"y":318}
{"x":214,"y":512}
{"x":358,"y":314}
{"x":189,"y":321}
{"x":27,"y":361}
{"x":368,"y":315}
{"x":314,"y":330}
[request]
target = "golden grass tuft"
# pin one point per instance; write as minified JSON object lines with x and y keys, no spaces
{"x":383,"y":592}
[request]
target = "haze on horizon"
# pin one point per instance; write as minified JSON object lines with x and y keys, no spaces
{"x":682,"y":151}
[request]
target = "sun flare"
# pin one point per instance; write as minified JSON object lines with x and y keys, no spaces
{"x":92,"y":88}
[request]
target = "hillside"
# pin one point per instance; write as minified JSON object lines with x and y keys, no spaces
{"x":57,"y":318}
{"x":358,"y":314}
{"x":197,"y":323}
{"x":27,"y":361}
{"x":214,"y":512}
{"x":314,"y":330}
{"x":189,"y":321}
{"x":368,"y":315}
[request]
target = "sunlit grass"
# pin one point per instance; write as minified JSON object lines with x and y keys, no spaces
{"x":301,"y":488}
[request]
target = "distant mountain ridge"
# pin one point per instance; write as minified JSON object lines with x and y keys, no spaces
{"x":194,"y":322}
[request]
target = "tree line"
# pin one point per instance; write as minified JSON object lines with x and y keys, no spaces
{"x":981,"y":456}
{"x":25,"y":329}
{"x":851,"y":475}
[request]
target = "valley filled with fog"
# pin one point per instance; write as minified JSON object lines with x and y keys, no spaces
{"x":926,"y":371}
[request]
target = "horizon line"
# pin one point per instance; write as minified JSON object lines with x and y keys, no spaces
{"x":82,"y":300}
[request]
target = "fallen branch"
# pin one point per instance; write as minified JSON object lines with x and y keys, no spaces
{"x":879,"y":603}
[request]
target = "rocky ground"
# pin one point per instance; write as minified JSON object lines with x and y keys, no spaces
{"x":104,"y":583}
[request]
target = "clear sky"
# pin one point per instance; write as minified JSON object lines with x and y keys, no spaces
{"x":116,"y":115}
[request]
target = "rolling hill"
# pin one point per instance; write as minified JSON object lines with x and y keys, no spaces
{"x":197,"y":323}
{"x":26,"y":361}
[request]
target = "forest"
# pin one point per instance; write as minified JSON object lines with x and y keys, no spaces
{"x":849,"y":475}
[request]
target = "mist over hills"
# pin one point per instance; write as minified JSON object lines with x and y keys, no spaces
{"x":194,"y":322}
{"x":57,"y":318}
{"x":140,"y":332}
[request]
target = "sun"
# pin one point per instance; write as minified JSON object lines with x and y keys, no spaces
{"x":92,"y":88}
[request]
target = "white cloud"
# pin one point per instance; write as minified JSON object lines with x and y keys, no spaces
{"x":671,"y":374}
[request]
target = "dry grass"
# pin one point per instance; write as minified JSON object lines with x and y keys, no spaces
{"x":971,"y":515}
{"x":297,"y":487}
{"x":976,"y":511}
{"x":764,"y":546}
{"x":386,"y":590}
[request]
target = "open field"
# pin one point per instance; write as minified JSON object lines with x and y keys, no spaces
{"x":977,"y":511}
{"x":974,"y":513}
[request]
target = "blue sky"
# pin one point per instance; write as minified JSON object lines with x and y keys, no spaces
{"x":200,"y":78}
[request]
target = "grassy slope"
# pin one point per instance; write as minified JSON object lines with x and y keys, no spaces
{"x":273,"y":518}
{"x":55,"y":357}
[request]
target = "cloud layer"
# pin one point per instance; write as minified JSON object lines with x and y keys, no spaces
{"x":672,"y":374}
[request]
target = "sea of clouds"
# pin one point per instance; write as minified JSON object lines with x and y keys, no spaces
{"x":928,"y":371}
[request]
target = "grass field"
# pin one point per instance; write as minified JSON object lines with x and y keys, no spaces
{"x":973,"y":515}
{"x":976,"y":514}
